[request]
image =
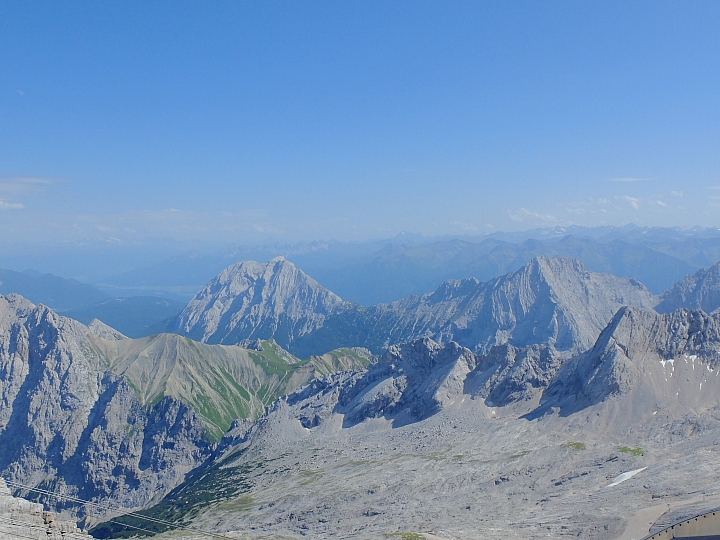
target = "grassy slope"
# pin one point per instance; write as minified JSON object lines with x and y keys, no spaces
{"x":222,"y":383}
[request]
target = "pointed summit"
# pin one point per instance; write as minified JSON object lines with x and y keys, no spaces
{"x":700,"y":290}
{"x":100,"y":329}
{"x":552,"y":301}
{"x":249,"y":300}
{"x":659,"y":360}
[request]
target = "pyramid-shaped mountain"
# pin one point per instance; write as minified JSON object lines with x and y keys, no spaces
{"x":551,"y":301}
{"x":249,"y":300}
{"x":667,"y":361}
{"x":700,"y":290}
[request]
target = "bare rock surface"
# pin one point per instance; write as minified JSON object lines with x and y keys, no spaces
{"x":69,"y":422}
{"x":553,"y":301}
{"x":249,"y":300}
{"x":100,"y":329}
{"x":550,"y":301}
{"x":648,"y":355}
{"x":100,"y":417}
{"x":700,"y":290}
{"x":436,"y":439}
{"x":23,"y":519}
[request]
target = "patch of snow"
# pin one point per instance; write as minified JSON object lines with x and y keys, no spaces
{"x":624,"y":476}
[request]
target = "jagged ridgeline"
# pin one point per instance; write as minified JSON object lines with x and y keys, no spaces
{"x":516,"y":444}
{"x":99,"y":415}
{"x":700,"y":290}
{"x":553,"y":301}
{"x":221,"y":383}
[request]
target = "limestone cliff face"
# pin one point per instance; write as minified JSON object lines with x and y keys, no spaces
{"x":249,"y":300}
{"x":661,"y":359}
{"x":103,"y":417}
{"x":66,"y":419}
{"x":410,"y":382}
{"x":509,"y":375}
{"x":415,"y":380}
{"x":553,"y":301}
{"x":700,"y":290}
{"x":22,"y":519}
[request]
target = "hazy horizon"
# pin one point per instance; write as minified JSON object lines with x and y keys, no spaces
{"x":163,"y":126}
{"x":95,"y":261}
{"x":137,"y":133}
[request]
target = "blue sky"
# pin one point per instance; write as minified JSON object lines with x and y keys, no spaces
{"x":198,"y":123}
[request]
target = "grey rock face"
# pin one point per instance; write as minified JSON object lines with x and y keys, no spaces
{"x":69,"y":422}
{"x":100,"y":329}
{"x":508,"y":375}
{"x":553,"y":301}
{"x":411,"y":381}
{"x":415,"y":380}
{"x":661,"y":354}
{"x":22,"y":519}
{"x":249,"y":301}
{"x":104,"y":417}
{"x":700,"y":290}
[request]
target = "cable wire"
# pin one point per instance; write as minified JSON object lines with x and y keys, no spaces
{"x":132,"y":526}
{"x":129,"y":514}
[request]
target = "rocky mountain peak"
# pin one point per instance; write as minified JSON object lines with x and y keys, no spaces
{"x":411,"y":381}
{"x":553,"y":301}
{"x":100,"y":329}
{"x":453,"y":288}
{"x":249,"y":300}
{"x":700,"y":290}
{"x":414,"y":380}
{"x":423,"y":355}
{"x":554,"y":265}
{"x":636,"y":331}
{"x":637,"y":346}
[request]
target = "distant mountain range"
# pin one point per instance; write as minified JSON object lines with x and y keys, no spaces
{"x":50,"y":290}
{"x":136,"y":316}
{"x":380,"y":271}
{"x":368,"y":273}
{"x":397,"y":271}
{"x":552,"y":301}
{"x":277,"y":300}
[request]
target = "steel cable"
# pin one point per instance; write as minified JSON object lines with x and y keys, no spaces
{"x":129,"y":514}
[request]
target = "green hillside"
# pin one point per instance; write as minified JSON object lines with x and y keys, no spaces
{"x":220,"y":382}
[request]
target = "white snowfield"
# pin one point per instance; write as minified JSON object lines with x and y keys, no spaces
{"x":619,"y":479}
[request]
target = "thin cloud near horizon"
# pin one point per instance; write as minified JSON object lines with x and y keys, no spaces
{"x":628,"y":179}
